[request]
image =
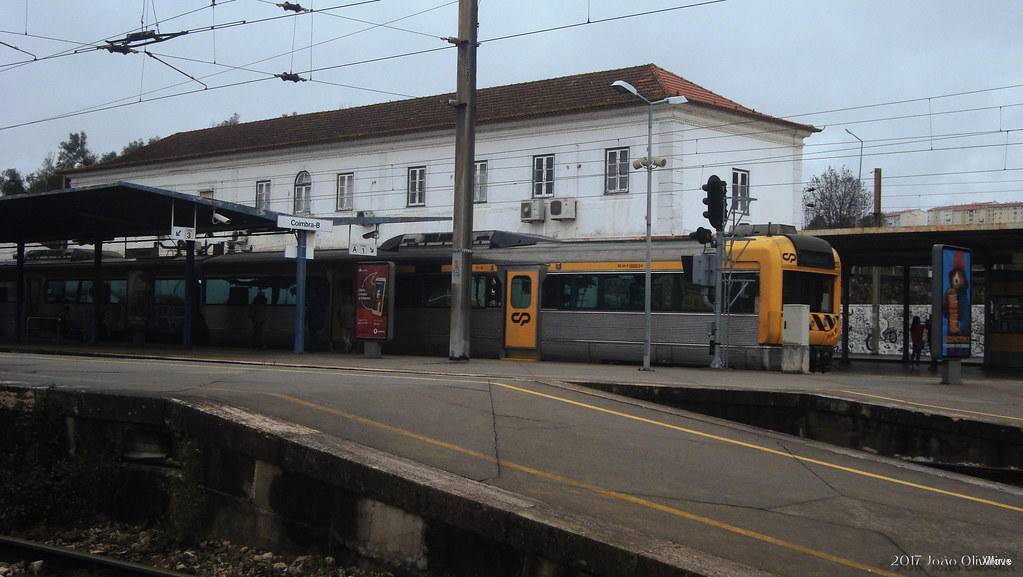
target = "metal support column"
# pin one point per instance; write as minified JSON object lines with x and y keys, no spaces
{"x":186,"y":336}
{"x":845,"y":315}
{"x":875,"y":310}
{"x":98,"y":291}
{"x":465,"y":166}
{"x":987,"y":310}
{"x":19,"y":292}
{"x":649,"y":204}
{"x":718,"y":360}
{"x":300,"y":293}
{"x":905,"y":313}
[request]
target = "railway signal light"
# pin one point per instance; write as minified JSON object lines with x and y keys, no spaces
{"x":716,"y":190}
{"x":701,"y":235}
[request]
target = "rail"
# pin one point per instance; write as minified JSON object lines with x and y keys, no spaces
{"x":67,"y":560}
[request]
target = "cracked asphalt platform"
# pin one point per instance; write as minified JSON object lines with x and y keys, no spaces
{"x":766,"y":500}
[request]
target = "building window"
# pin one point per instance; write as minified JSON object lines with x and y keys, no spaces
{"x":346,"y":191}
{"x":479,"y":183}
{"x":208,"y":193}
{"x":740,"y":191}
{"x":263,"y":195}
{"x":616,"y":171}
{"x":543,"y":175}
{"x":417,"y":186}
{"x":303,"y":192}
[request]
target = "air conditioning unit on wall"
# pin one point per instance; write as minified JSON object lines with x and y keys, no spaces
{"x":531,"y":210}
{"x":563,"y":209}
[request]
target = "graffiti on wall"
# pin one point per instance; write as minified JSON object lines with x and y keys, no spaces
{"x":860,"y":317}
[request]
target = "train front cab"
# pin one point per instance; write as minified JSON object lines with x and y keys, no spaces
{"x":795,"y":269}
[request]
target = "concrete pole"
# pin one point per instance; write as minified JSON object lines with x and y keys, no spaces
{"x":649,"y":205}
{"x":465,"y":155}
{"x":300,"y":293}
{"x":19,"y":292}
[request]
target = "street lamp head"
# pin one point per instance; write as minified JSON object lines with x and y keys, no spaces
{"x":676,"y":100}
{"x":625,"y":88}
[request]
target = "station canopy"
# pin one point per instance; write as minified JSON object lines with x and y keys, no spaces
{"x":998,"y":243}
{"x":102,"y":212}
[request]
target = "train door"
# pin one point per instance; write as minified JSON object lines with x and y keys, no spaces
{"x":521,"y":316}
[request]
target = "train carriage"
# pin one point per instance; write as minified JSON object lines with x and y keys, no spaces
{"x":531,"y":297}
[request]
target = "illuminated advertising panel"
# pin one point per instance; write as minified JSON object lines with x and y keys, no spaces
{"x":951,"y":282}
{"x":374,"y":302}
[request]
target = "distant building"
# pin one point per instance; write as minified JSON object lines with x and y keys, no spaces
{"x":912,"y":217}
{"x":976,"y":213}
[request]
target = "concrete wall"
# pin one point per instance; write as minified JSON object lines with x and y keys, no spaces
{"x":266,"y":483}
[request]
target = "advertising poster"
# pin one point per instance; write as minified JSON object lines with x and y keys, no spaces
{"x":373,"y":308}
{"x":952,"y":282}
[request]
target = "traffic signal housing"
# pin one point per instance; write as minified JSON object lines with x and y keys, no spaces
{"x":701,"y":235}
{"x":716,"y":213}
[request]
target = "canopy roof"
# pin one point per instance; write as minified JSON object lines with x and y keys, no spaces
{"x":102,"y":212}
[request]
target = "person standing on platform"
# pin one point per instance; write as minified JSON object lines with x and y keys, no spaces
{"x":916,"y":335}
{"x":257,"y":314}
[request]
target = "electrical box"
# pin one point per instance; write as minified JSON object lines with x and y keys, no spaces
{"x":531,"y":210}
{"x":705,"y":267}
{"x":796,"y":325}
{"x":562,"y":209}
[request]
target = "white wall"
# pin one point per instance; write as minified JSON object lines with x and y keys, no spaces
{"x":694,"y":152}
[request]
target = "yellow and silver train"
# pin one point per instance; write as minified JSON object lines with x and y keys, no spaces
{"x":532,"y":297}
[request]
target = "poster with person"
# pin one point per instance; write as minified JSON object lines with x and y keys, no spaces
{"x":951,"y":284}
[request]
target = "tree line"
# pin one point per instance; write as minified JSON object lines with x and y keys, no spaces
{"x":71,"y":153}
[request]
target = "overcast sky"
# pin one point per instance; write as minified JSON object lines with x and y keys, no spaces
{"x":783,"y":58}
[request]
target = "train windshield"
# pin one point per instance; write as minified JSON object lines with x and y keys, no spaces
{"x":807,"y":288}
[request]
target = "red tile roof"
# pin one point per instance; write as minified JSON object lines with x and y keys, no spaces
{"x":537,"y":99}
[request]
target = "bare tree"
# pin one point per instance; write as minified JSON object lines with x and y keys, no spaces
{"x":834,"y":200}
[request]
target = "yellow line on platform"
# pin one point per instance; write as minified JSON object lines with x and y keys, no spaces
{"x":764,"y":449}
{"x":646,"y":503}
{"x":915,"y":404}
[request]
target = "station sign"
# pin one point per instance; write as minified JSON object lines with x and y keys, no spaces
{"x":951,"y":284}
{"x":362,"y":249}
{"x":182,"y":233}
{"x":374,"y":301}
{"x":304,"y":223}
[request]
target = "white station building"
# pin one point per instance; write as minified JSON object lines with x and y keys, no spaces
{"x":553,"y":157}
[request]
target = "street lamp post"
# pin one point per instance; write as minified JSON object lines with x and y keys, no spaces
{"x":859,"y":175}
{"x":649,"y":162}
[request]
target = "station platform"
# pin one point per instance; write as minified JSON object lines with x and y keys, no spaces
{"x":987,"y":396}
{"x":556,"y":433}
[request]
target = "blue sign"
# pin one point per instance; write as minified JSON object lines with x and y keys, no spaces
{"x":952,"y":281}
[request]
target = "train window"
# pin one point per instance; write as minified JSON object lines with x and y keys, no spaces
{"x":406,"y":291}
{"x":62,"y":291}
{"x":521,"y":292}
{"x":243,"y":291}
{"x":743,"y":289}
{"x":170,"y":291}
{"x":807,"y":288}
{"x":7,"y":289}
{"x":486,"y":291}
{"x":436,"y":291}
{"x":622,"y":292}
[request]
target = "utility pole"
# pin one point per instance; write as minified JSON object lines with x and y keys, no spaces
{"x":465,"y":156}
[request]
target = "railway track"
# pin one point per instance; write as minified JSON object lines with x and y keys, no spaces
{"x":62,"y":561}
